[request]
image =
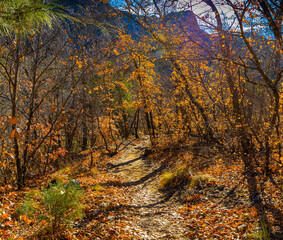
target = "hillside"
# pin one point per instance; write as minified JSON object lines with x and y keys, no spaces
{"x":101,"y":12}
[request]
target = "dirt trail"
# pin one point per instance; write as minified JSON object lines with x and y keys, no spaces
{"x":154,"y":215}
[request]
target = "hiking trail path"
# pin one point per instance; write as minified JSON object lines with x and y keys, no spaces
{"x":153,"y":214}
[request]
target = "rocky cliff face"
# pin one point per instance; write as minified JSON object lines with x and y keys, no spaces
{"x":186,"y":20}
{"x":99,"y":12}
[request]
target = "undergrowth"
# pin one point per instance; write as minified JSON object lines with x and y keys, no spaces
{"x":56,"y":206}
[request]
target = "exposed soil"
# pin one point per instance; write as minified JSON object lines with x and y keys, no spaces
{"x":154,"y":214}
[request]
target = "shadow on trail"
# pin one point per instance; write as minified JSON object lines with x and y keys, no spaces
{"x":138,"y":182}
{"x":96,"y":214}
{"x":125,"y":163}
{"x":158,"y":204}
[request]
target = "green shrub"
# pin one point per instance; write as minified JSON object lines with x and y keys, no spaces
{"x":63,"y":204}
{"x":59,"y":205}
{"x":30,"y":205}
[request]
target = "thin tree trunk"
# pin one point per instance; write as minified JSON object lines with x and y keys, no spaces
{"x":20,"y":182}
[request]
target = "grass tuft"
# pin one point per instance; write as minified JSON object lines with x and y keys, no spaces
{"x":199,"y":181}
{"x":172,"y":179}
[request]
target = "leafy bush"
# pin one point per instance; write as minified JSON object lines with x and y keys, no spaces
{"x":59,"y":205}
{"x":30,"y":205}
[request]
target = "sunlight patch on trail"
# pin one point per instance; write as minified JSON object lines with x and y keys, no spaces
{"x":151,"y":217}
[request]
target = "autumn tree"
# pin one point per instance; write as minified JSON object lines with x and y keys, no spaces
{"x":18,"y":21}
